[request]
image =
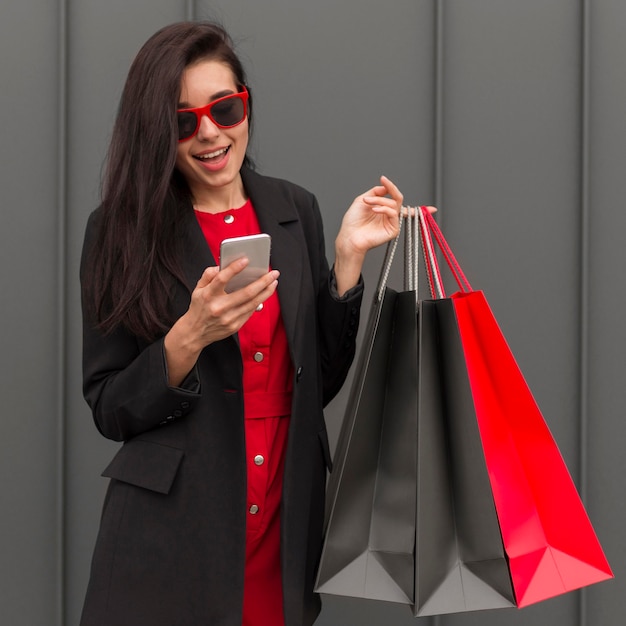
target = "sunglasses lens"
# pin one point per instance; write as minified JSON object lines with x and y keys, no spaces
{"x":229,"y":112}
{"x":187,"y":122}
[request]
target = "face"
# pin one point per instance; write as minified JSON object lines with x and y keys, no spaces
{"x":210,"y":161}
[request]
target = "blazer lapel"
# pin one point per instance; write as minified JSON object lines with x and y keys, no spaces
{"x":197,"y":255}
{"x":278,"y":218}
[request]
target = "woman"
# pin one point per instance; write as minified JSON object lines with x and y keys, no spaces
{"x":215,"y":507}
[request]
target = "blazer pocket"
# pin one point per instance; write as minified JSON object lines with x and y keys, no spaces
{"x":323,"y":435}
{"x":146,"y":464}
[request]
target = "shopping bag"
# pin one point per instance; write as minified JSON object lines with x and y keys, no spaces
{"x":369,"y":543}
{"x":411,"y":518}
{"x":460,"y":564}
{"x":550,"y":543}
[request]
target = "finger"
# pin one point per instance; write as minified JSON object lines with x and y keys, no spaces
{"x":392,"y":190}
{"x":244,"y":305}
{"x":371,"y":193}
{"x":245,"y":310}
{"x":385,"y":209}
{"x":382,"y":202}
{"x":261,"y":283}
{"x":207,"y":276}
{"x":267,"y":290}
{"x":379,"y":190}
{"x":386,"y":200}
{"x":225,"y":274}
{"x":252,"y":292}
{"x":431,"y":209}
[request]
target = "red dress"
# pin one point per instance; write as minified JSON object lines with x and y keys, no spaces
{"x":267,"y":384}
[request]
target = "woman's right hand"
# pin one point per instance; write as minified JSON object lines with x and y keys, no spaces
{"x":213,"y":315}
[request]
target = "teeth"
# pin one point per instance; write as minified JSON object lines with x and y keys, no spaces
{"x":212,"y":155}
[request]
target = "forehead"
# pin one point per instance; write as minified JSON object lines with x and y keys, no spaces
{"x":203,"y":79}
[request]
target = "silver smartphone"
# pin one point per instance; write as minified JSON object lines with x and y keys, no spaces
{"x":256,"y":248}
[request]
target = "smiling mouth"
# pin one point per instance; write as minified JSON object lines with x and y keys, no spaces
{"x":212,"y":156}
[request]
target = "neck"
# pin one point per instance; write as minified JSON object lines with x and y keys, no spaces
{"x":218,"y":200}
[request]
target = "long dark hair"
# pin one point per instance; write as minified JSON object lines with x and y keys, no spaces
{"x":130,"y":272}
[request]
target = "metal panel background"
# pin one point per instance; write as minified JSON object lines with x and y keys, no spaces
{"x":509,"y":115}
{"x":31,"y":305}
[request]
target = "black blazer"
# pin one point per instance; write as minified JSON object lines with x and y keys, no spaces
{"x":171,"y":545}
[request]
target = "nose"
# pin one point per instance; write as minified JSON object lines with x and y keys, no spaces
{"x":207,"y":129}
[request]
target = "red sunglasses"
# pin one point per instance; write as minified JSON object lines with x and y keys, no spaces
{"x":224,"y":112}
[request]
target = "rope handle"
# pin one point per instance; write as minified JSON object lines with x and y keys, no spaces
{"x":386,"y":268}
{"x":435,"y":281}
{"x":429,"y":229}
{"x":421,"y":226}
{"x":411,"y":243}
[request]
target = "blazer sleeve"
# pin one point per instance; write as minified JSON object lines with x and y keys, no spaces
{"x":338,"y":319}
{"x":124,"y":380}
{"x":337,"y":339}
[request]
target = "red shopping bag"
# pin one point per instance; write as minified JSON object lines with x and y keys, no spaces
{"x":550,"y":543}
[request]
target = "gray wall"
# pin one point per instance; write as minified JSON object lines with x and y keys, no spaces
{"x":508,"y":115}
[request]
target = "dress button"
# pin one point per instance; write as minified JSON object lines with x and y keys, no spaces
{"x":259,"y":459}
{"x":254,"y":509}
{"x":260,"y":307}
{"x":258,"y":357}
{"x":229,"y":219}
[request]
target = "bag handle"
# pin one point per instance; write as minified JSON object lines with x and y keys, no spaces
{"x":429,"y":229}
{"x":421,"y":218}
{"x":411,"y":242}
{"x":411,"y":245}
{"x":435,"y":281}
{"x":386,"y":268}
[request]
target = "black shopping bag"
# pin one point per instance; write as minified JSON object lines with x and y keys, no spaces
{"x":460,"y":563}
{"x":373,"y":481}
{"x":411,"y":518}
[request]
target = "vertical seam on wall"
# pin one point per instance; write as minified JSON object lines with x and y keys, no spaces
{"x":584,"y":268}
{"x":61,"y":305}
{"x":439,"y":38}
{"x":190,"y":10}
{"x":438,"y":150}
{"x":438,"y":102}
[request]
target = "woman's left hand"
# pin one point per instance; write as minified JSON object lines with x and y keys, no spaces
{"x":372,"y":220}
